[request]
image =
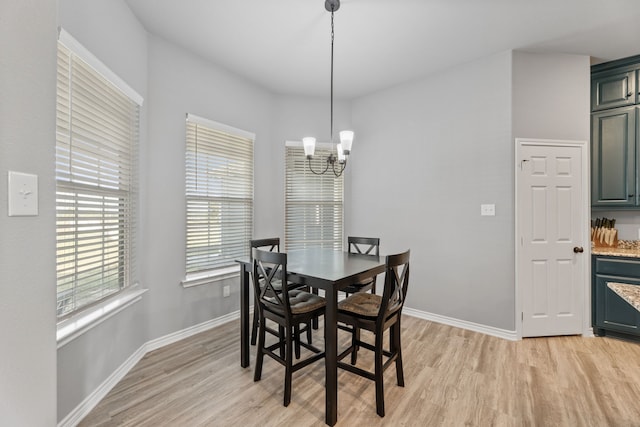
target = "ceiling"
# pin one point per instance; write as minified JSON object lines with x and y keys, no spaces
{"x":284,"y":45}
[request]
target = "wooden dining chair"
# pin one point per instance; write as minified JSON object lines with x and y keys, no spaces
{"x":377,"y":313}
{"x":287,"y":307}
{"x":273,"y":244}
{"x":363,"y":246}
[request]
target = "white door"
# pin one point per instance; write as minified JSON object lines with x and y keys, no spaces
{"x":552,"y":219}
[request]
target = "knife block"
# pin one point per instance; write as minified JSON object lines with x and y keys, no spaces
{"x":603,"y":244}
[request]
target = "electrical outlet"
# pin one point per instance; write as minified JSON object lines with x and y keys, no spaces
{"x":226,"y":291}
{"x":488,"y":210}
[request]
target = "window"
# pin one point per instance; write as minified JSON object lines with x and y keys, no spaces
{"x":313,"y":203}
{"x":96,"y":178}
{"x":219,"y":193}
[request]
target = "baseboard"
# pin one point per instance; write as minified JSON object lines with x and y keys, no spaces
{"x":74,"y":417}
{"x":463,"y":324}
{"x":82,"y":410}
{"x":190,"y":331}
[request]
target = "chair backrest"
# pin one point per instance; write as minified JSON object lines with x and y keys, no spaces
{"x":272,"y":243}
{"x":364,"y":245}
{"x":396,"y":282}
{"x":269,"y":281}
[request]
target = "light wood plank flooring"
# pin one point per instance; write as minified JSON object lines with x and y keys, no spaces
{"x":453,"y":377}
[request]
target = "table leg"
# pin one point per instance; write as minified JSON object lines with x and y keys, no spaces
{"x":331,"y":356}
{"x":244,"y":315}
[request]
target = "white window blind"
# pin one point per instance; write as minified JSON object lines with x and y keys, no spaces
{"x":96,"y":183}
{"x":313,"y":203}
{"x":219,"y":194}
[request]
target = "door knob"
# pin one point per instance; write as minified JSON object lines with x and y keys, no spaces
{"x":578,"y":249}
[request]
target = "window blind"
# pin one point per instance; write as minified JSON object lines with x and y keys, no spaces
{"x":96,"y":183}
{"x":313,"y":203}
{"x":219,"y":195}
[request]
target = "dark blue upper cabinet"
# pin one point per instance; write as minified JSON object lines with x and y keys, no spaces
{"x":613,"y":158}
{"x":613,"y":88}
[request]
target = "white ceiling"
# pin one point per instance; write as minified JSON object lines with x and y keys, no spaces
{"x":284,"y":45}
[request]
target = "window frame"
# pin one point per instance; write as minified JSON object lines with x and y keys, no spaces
{"x":218,"y":145}
{"x":74,"y":140}
{"x":294,"y":151}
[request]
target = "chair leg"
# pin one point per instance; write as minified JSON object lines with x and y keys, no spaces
{"x":379,"y":375}
{"x":259,"y":354}
{"x":355,"y":337}
{"x":254,"y":327}
{"x":281,"y":337}
{"x":296,"y":340}
{"x":397,"y":348}
{"x":309,"y":333}
{"x":288,"y":370}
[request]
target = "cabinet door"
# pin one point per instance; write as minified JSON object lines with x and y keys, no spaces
{"x":613,"y":157}
{"x":611,"y":311}
{"x":611,"y":89}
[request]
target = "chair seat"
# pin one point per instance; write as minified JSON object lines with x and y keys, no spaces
{"x":303,"y":302}
{"x":362,"y":304}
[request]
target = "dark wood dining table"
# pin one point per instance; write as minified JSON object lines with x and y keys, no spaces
{"x":324,"y":269}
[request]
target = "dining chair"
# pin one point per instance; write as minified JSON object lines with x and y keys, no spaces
{"x":363,"y":246}
{"x":273,"y":244}
{"x":287,"y":307}
{"x":377,"y":313}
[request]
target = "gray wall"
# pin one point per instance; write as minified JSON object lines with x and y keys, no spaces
{"x":551,"y":96}
{"x":442,"y":146}
{"x":113,"y":34}
{"x":181,"y":83}
{"x":27,"y":258}
{"x":430,"y":152}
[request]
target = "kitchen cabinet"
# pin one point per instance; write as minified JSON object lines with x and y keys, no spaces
{"x":614,"y":163}
{"x":610,"y":313}
{"x":615,"y":135}
{"x":613,"y":88}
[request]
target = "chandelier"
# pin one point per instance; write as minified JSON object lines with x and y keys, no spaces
{"x":346,"y":136}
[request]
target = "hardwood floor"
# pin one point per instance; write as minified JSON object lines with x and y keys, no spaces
{"x":453,"y":377}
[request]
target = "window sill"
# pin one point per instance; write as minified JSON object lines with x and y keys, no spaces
{"x":211,"y":276}
{"x":76,"y":325}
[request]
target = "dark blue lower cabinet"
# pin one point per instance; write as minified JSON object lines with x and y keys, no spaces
{"x":610,"y":312}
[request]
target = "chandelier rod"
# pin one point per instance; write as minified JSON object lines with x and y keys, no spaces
{"x":332,"y":36}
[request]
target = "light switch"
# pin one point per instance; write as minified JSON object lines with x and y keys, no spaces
{"x":488,"y":210}
{"x":23,"y":194}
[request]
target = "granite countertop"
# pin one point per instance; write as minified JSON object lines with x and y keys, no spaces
{"x":633,"y":253}
{"x":625,"y":248}
{"x":629,"y":293}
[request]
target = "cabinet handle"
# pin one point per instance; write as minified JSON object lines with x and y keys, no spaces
{"x":629,"y":94}
{"x":630,"y":195}
{"x":578,"y":250}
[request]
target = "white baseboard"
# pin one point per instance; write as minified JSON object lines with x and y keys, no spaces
{"x":463,"y":324}
{"x":74,"y":417}
{"x":190,"y":331}
{"x":82,"y":410}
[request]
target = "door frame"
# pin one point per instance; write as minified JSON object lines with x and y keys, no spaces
{"x":587,"y":330}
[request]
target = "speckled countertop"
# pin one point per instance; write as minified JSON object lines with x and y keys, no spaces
{"x":626,"y":248}
{"x":629,"y":293}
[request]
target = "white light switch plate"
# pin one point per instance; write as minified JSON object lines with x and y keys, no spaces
{"x":23,"y":194}
{"x":488,"y":210}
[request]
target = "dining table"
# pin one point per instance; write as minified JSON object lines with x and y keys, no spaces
{"x":326,"y":269}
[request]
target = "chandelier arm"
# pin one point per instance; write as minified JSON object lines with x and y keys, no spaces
{"x":319,"y":173}
{"x":338,"y":174}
